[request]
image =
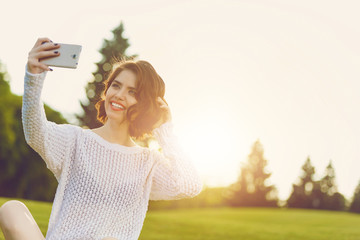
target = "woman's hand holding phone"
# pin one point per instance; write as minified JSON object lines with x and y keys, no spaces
{"x":43,"y":48}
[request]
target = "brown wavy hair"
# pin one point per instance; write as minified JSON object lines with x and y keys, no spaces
{"x":149,"y":86}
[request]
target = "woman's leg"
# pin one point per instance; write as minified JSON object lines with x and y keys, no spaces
{"x":17,"y":222}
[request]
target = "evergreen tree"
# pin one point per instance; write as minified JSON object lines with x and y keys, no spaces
{"x":331,"y":198}
{"x":251,"y":188}
{"x":321,"y":194}
{"x":327,"y":183}
{"x":23,"y":174}
{"x":355,"y":204}
{"x":316,"y":197}
{"x":111,"y":49}
{"x":301,"y":194}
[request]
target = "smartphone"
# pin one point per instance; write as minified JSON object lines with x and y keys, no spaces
{"x":68,"y":58}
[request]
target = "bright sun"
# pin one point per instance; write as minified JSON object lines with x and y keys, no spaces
{"x":213,"y":148}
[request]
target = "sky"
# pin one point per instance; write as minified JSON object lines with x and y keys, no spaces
{"x":282,"y":72}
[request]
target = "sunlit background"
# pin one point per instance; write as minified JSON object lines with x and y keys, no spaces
{"x":284,"y":72}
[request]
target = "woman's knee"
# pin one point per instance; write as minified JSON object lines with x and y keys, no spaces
{"x":10,"y":212}
{"x":17,"y":222}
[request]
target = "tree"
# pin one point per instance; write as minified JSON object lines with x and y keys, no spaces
{"x":331,"y":198}
{"x":23,"y":174}
{"x":327,"y":183}
{"x":321,"y":194}
{"x":355,"y":204}
{"x":7,"y":136}
{"x":111,"y":49}
{"x":301,"y":194}
{"x":252,"y":189}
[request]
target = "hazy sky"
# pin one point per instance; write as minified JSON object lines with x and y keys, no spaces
{"x":285,"y":72}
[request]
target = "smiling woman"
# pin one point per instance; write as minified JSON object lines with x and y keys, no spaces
{"x":119,"y":96}
{"x":105,"y":179}
{"x":129,"y":86}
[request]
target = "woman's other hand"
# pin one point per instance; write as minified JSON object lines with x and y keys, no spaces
{"x":166,"y":114}
{"x":43,"y":48}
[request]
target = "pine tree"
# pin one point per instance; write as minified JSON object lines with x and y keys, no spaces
{"x":112,"y":49}
{"x":301,"y":194}
{"x":355,"y":204}
{"x":331,"y":199}
{"x":327,"y":183}
{"x":251,"y":188}
{"x":321,"y":194}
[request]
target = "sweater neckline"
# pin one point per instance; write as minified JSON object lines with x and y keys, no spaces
{"x":114,"y":146}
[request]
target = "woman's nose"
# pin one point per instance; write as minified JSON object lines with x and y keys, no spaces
{"x":120,"y":94}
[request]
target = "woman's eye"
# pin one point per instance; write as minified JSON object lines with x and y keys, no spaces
{"x":115,"y":85}
{"x":132,"y":92}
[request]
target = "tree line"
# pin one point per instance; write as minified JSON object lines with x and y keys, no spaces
{"x":23,"y":174}
{"x":306,"y":192}
{"x":253,"y":190}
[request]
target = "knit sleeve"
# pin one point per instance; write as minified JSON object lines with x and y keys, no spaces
{"x":174,"y":177}
{"x":53,"y":142}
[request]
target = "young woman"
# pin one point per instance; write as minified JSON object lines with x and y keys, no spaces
{"x":105,"y":179}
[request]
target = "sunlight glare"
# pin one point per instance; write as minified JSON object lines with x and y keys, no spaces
{"x":213,"y":148}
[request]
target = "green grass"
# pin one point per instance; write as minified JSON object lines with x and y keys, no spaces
{"x":240,"y":223}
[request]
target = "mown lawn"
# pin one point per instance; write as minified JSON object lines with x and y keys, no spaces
{"x":239,"y":224}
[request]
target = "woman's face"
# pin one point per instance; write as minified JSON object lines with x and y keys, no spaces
{"x":120,"y":96}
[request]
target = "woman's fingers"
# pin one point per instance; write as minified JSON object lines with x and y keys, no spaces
{"x":34,"y":63}
{"x":47,"y":46}
{"x":166,"y":110}
{"x":162,"y":102}
{"x":41,"y":41}
{"x":43,"y":54}
{"x":43,"y":48}
{"x":166,"y":114}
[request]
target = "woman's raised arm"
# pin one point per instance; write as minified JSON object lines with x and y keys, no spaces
{"x":53,"y":142}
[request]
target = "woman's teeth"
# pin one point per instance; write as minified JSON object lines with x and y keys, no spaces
{"x":117,"y":105}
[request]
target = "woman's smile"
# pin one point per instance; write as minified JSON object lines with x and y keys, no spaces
{"x":116,"y":106}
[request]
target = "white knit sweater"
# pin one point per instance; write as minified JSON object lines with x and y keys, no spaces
{"x":103,"y":188}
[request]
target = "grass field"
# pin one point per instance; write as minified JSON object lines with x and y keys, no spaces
{"x":239,"y":224}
